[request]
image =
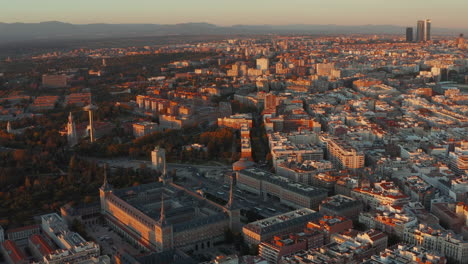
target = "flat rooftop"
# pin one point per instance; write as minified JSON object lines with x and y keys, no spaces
{"x":339,"y":202}
{"x":284,"y":182}
{"x":282,"y":221}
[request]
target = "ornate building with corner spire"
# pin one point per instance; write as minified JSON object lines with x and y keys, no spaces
{"x":105,"y":190}
{"x":72,"y":137}
{"x":162,"y":216}
{"x":231,"y":209}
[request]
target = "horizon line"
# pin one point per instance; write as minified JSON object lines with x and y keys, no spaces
{"x":220,"y":25}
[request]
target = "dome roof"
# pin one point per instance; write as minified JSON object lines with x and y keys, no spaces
{"x":241,"y":164}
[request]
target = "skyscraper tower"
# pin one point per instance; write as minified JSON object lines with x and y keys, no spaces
{"x":71,"y":131}
{"x":90,"y":108}
{"x":409,"y":34}
{"x":420,"y":31}
{"x":427,"y":29}
{"x":461,"y":42}
{"x":423,"y":32}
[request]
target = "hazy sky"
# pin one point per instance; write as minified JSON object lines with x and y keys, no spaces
{"x":444,"y":13}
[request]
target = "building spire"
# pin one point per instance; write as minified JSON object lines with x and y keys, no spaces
{"x":105,"y":185}
{"x":162,"y":218}
{"x":231,"y":193}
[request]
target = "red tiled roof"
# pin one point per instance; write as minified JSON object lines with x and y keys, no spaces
{"x":41,"y":244}
{"x":14,"y":253}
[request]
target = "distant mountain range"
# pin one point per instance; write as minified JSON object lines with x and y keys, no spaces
{"x":14,"y":32}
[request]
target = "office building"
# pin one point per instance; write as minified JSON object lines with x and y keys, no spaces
{"x":342,"y":154}
{"x":236,"y":121}
{"x":330,"y":225}
{"x":54,"y":80}
{"x":453,"y":216}
{"x":280,"y":246}
{"x":264,"y":230}
{"x":324,"y":69}
{"x":43,"y":103}
{"x":262,"y":64}
{"x":350,"y":248}
{"x":409,"y":34}
{"x":444,"y":242}
{"x":423,"y":32}
{"x":375,"y":238}
{"x":73,"y":247}
{"x":427,"y":30}
{"x":21,"y":234}
{"x":340,"y":205}
{"x":420,"y":31}
{"x":144,"y":128}
{"x":246,"y":149}
{"x":388,"y":219}
{"x":308,"y":172}
{"x":383,"y":193}
{"x":78,"y":99}
{"x":264,"y":184}
{"x":418,"y":190}
{"x":404,"y":254}
{"x":459,"y":160}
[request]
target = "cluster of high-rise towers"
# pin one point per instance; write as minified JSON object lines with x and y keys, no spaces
{"x":423,"y":31}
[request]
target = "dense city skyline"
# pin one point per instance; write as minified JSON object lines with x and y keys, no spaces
{"x":234,"y":132}
{"x":448,"y":14}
